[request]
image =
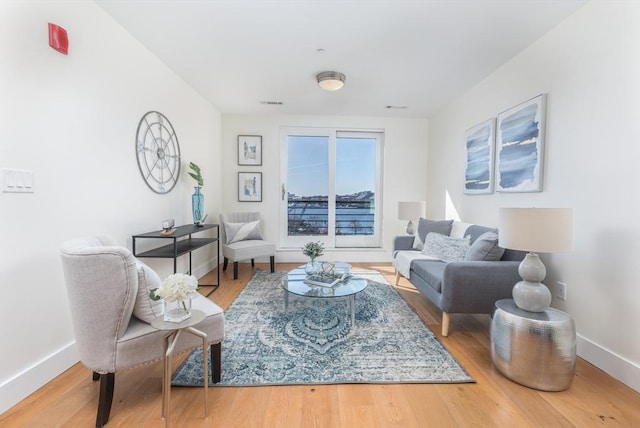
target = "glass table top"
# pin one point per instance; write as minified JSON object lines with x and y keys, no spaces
{"x":294,"y":283}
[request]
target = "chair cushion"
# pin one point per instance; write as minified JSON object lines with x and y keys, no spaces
{"x":144,"y":308}
{"x":245,"y":250}
{"x":235,"y":232}
{"x":485,"y":248}
{"x":428,"y":226}
{"x":445,"y":248}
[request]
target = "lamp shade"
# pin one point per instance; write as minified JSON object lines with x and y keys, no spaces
{"x":539,"y":230}
{"x":411,"y":210}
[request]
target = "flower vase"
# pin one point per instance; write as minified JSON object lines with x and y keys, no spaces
{"x":313,"y":267}
{"x":177,"y":310}
{"x":197,"y":205}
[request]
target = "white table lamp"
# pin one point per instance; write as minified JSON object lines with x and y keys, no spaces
{"x":536,"y":230}
{"x":411,"y":211}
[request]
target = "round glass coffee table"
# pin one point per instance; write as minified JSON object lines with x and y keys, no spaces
{"x":294,"y":283}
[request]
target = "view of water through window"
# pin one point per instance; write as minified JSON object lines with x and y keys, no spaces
{"x":309,"y":185}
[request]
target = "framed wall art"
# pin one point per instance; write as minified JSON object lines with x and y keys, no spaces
{"x":520,"y":147}
{"x":479,"y":145}
{"x":249,"y":150}
{"x":249,"y":187}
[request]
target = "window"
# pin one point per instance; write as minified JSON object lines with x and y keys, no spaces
{"x":331,"y":187}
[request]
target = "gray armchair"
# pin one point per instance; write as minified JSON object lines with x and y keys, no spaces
{"x":102,"y":287}
{"x":242,"y":240}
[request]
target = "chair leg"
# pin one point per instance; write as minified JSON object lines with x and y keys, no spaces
{"x":216,"y":362}
{"x":253,"y":263}
{"x":225,"y":263}
{"x":107,"y":383}
{"x":272,"y":262}
{"x":235,"y":270}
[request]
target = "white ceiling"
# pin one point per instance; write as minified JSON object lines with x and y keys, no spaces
{"x":415,"y":53}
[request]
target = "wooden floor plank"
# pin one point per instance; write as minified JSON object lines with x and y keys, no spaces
{"x":593,"y":400}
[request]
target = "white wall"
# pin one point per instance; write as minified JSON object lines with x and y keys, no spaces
{"x":72,"y":120}
{"x":590,"y":68}
{"x":404,"y":175}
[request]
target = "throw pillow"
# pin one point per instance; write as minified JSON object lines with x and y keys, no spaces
{"x":485,"y":248}
{"x":445,"y":248}
{"x":144,"y":308}
{"x":428,"y":226}
{"x":242,"y":231}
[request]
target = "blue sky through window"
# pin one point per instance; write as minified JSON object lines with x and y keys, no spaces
{"x":309,"y":165}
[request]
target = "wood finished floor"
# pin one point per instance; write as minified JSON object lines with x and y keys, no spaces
{"x":594,"y":399}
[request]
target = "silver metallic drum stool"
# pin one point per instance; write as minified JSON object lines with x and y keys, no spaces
{"x":535,"y":349}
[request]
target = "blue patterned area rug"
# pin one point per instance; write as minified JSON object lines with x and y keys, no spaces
{"x":313,"y":342}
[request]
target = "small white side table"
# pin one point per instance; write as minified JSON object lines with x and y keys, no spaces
{"x":170,"y":340}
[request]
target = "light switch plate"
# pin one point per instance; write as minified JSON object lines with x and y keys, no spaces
{"x":17,"y":180}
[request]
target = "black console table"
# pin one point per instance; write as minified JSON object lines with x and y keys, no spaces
{"x":180,"y":247}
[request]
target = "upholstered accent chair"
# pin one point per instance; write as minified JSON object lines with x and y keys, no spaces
{"x":242,"y":240}
{"x":107,"y":289}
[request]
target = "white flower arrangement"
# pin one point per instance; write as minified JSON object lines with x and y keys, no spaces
{"x":177,"y":286}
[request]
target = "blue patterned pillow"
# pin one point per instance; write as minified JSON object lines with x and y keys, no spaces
{"x":445,"y":248}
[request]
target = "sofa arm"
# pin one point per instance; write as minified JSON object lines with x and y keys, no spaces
{"x":474,"y":287}
{"x":403,"y":242}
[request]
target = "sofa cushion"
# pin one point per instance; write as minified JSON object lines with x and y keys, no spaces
{"x":474,"y":231}
{"x":430,"y":271}
{"x":428,"y":226}
{"x":445,"y":248}
{"x":485,"y":248}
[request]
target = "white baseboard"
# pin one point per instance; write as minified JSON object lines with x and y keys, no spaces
{"x":30,"y":380}
{"x":614,"y":365}
{"x":362,"y":255}
{"x":205,"y":268}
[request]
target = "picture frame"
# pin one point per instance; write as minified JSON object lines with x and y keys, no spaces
{"x":479,"y":144}
{"x":249,"y":187}
{"x":520,"y":142}
{"x":250,"y":150}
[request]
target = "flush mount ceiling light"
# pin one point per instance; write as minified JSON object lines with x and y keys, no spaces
{"x":331,"y":80}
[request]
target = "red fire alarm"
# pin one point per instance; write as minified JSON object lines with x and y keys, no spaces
{"x":58,"y":38}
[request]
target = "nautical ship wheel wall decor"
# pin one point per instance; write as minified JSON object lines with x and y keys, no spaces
{"x":158,"y":152}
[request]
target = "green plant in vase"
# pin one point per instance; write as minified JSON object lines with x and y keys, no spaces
{"x":313,"y":250}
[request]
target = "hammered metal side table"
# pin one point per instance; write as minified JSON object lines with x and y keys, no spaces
{"x":535,"y":349}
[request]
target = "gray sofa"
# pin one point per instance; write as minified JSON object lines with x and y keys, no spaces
{"x":470,"y":286}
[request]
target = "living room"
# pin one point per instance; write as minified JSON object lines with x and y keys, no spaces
{"x":72,"y":121}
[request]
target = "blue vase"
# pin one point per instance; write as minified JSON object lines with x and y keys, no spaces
{"x":197,"y":205}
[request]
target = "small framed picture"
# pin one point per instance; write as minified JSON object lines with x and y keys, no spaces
{"x":249,"y":187}
{"x":249,"y":150}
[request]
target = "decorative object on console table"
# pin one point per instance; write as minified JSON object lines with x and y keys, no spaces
{"x":479,"y":145}
{"x":249,"y":187}
{"x":197,"y":199}
{"x":520,"y":147}
{"x":411,"y":211}
{"x":542,"y":230}
{"x":249,"y":150}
